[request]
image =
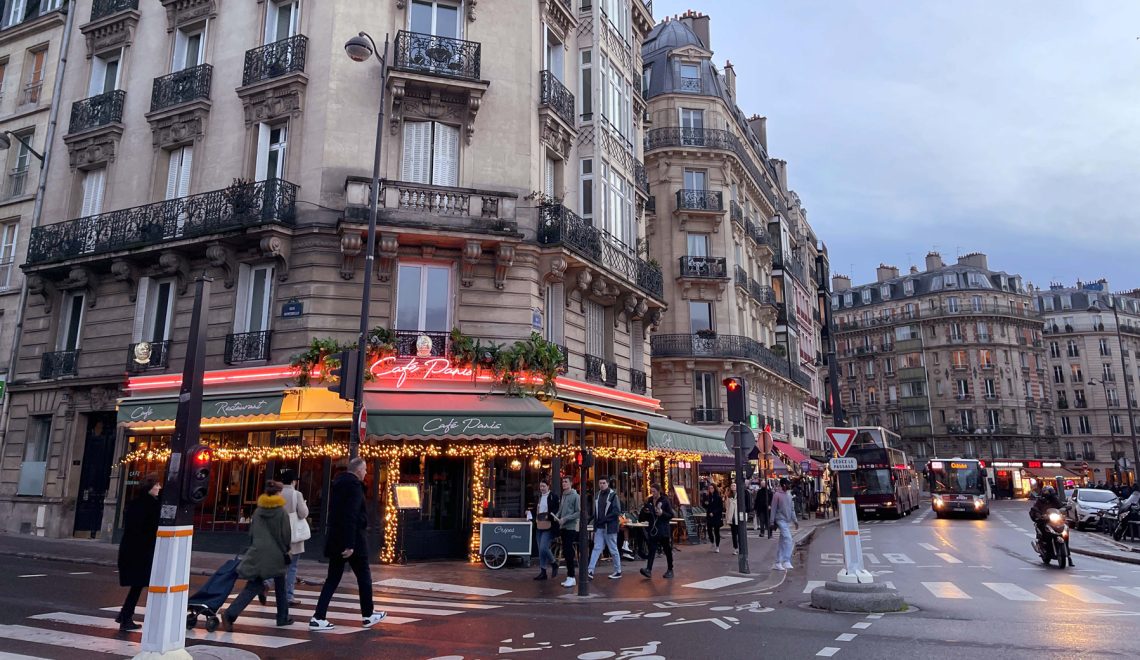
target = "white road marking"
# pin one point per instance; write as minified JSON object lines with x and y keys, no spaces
{"x":828,"y":651}
{"x":846,"y":637}
{"x":876,"y":616}
{"x":890,"y":585}
{"x":1131,"y":591}
{"x":331,"y":615}
{"x":403,"y":609}
{"x":812,"y":584}
{"x":16,"y":656}
{"x":945,"y":590}
{"x":244,"y":639}
{"x":462,"y":605}
{"x":1084,"y":595}
{"x":440,"y":586}
{"x":717,"y":582}
{"x":897,"y":558}
{"x":80,"y":573}
{"x":1012,"y":591}
{"x":927,"y":546}
{"x":32,"y":575}
{"x":89,"y":643}
{"x":874,"y":559}
{"x":862,"y":625}
{"x":948,"y":558}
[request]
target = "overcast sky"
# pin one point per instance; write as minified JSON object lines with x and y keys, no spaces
{"x":1010,"y":128}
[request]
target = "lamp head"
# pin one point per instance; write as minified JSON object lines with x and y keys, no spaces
{"x":358,"y":48}
{"x":4,"y":141}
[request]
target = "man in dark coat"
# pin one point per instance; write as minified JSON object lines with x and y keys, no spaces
{"x":136,"y":550}
{"x":345,"y":544}
{"x":761,"y":505}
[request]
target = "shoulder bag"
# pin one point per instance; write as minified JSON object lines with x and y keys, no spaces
{"x":299,"y":527}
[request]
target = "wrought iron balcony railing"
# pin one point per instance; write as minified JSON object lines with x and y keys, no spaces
{"x":712,"y":138}
{"x":640,"y":176}
{"x":651,"y":205}
{"x":240,"y":205}
{"x":406,"y":341}
{"x":439,"y":56}
{"x":735,"y":211}
{"x":556,"y":97}
{"x":97,"y":111}
{"x":158,"y":357}
{"x":741,"y":277}
{"x":247,"y":346}
{"x":181,"y":87}
{"x":601,"y":371}
{"x":703,"y":267}
{"x":104,"y":8}
{"x":762,"y":294}
{"x":275,"y":60}
{"x":712,"y":345}
{"x":700,"y":200}
{"x":59,"y":363}
{"x":708,"y":415}
{"x":560,"y":225}
{"x":637,"y":383}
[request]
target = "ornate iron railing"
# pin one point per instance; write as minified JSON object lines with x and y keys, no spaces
{"x":708,"y":415}
{"x":240,"y":205}
{"x":651,"y":204}
{"x":181,"y":87}
{"x":741,"y":277}
{"x":557,"y":97}
{"x":703,"y":267}
{"x":59,"y":363}
{"x":440,"y":56}
{"x":700,"y":200}
{"x":565,"y":358}
{"x":640,"y":176}
{"x":601,"y":371}
{"x":406,"y":341}
{"x":159,"y":356}
{"x":275,"y":60}
{"x":97,"y":111}
{"x":247,"y":346}
{"x":735,"y":211}
{"x":104,"y":8}
{"x":726,"y":346}
{"x":690,"y":85}
{"x":761,"y":294}
{"x":712,"y":138}
{"x":560,"y":225}
{"x":637,"y":383}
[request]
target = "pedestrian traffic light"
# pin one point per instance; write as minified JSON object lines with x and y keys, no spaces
{"x":584,"y":459}
{"x":737,"y":400}
{"x":344,"y":374}
{"x":199,"y":460}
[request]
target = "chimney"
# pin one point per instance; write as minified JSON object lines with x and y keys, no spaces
{"x":884,"y":273}
{"x":699,"y":24}
{"x":730,"y":79}
{"x":840,"y":283}
{"x":760,"y":128}
{"x":975,"y":259}
{"x":781,"y":167}
{"x":934,"y":261}
{"x":913,"y":269}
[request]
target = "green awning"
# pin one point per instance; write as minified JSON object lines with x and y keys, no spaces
{"x":664,"y":433}
{"x":149,"y":411}
{"x":420,"y":416}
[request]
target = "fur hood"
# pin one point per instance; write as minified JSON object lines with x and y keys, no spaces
{"x":270,"y":501}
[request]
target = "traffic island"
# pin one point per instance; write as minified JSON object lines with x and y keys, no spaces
{"x":856,"y":597}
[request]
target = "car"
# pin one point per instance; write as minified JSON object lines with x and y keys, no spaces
{"x":1085,"y":503}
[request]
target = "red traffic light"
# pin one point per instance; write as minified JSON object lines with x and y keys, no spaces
{"x":202,"y":455}
{"x":732,"y":384}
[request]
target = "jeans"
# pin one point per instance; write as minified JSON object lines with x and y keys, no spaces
{"x":359,"y":563}
{"x":127,"y":613}
{"x":545,"y":556}
{"x":253,"y":588}
{"x":569,"y":549}
{"x":665,"y":545}
{"x":784,"y":550}
{"x":291,"y":577}
{"x":610,"y":541}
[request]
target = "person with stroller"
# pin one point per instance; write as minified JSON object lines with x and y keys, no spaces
{"x":267,"y":558}
{"x":136,"y":550}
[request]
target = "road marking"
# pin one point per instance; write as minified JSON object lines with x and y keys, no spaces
{"x":441,"y":586}
{"x":897,"y":558}
{"x":80,"y":573}
{"x":945,"y":590}
{"x":948,"y":558}
{"x":464,"y":605}
{"x":1131,"y":591}
{"x":874,"y":559}
{"x":929,"y":547}
{"x":846,"y":637}
{"x":812,"y":584}
{"x":1084,"y":595}
{"x":332,"y":615}
{"x":717,"y":582}
{"x":31,"y":575}
{"x":17,"y":656}
{"x":828,"y":651}
{"x":1012,"y":591}
{"x":90,"y":643}
{"x":862,"y":625}
{"x":876,"y":616}
{"x":244,"y":639}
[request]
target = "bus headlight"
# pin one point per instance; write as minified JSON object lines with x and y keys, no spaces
{"x":979,"y":502}
{"x":937,"y":501}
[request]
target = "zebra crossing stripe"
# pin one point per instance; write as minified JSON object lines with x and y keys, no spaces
{"x":1012,"y":591}
{"x":1131,"y":591}
{"x":89,"y":643}
{"x":387,"y":608}
{"x":441,"y":587}
{"x":812,"y":584}
{"x":1084,"y":595}
{"x":352,"y":618}
{"x":945,"y":590}
{"x":456,"y":604}
{"x":245,"y":639}
{"x":948,"y":558}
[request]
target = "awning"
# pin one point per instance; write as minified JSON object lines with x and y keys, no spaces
{"x":144,"y":412}
{"x":420,"y":416}
{"x":664,"y":433}
{"x":798,"y":456}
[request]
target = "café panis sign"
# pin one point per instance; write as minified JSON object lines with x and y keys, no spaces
{"x":402,"y":372}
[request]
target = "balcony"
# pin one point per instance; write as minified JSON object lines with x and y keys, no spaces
{"x":763,"y":295}
{"x":238,"y":207}
{"x":105,"y":8}
{"x":145,"y":356}
{"x":17,"y":183}
{"x":711,"y":345}
{"x":1082,"y":403}
{"x":275,"y":60}
{"x":715,"y":139}
{"x":561,"y":226}
{"x":708,"y":416}
{"x":637,"y":382}
{"x":97,"y":111}
{"x":640,"y":177}
{"x":912,"y":373}
{"x":736,"y":212}
{"x":601,"y":371}
{"x":438,"y":56}
{"x":181,"y":87}
{"x":700,"y":201}
{"x":406,"y":341}
{"x":557,"y":97}
{"x":247,"y":347}
{"x":703,"y":267}
{"x":58,"y":364}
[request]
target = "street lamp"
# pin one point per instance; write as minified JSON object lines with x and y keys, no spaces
{"x":361,"y":48}
{"x":5,"y":143}
{"x":1127,"y":388}
{"x":1111,"y":430}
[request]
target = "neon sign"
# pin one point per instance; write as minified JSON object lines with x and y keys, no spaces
{"x":439,"y":368}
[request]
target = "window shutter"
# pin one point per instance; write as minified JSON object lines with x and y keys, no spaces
{"x":262,"y":163}
{"x":93,"y":193}
{"x":445,"y":159}
{"x":417,"y":148}
{"x":187,"y":153}
{"x":140,"y":309}
{"x":172,"y":172}
{"x":548,"y":177}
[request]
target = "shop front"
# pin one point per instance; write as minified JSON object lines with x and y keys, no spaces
{"x":1013,"y":479}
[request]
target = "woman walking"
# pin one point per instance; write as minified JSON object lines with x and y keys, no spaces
{"x":136,"y":550}
{"x":295,"y":504}
{"x":545,"y":512}
{"x":659,"y":531}
{"x":732,"y":504}
{"x":267,"y":558}
{"x":784,"y":516}
{"x":714,"y":516}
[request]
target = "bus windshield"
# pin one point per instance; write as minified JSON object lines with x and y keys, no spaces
{"x":957,"y":478}
{"x":872,"y":482}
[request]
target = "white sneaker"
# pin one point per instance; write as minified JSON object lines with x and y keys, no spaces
{"x":717,"y":549}
{"x":778,"y":567}
{"x":615,"y":576}
{"x":374,"y":619}
{"x":788,"y":566}
{"x":569,"y":582}
{"x":735,"y":552}
{"x":320,"y":624}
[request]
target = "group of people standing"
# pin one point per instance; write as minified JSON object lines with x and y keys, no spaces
{"x":771,"y":510}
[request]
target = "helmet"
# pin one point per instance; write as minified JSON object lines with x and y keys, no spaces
{"x":1048,"y":491}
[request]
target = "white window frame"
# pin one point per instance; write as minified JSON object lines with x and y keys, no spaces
{"x":273,"y":10}
{"x":9,"y":239}
{"x":425,"y":267}
{"x":67,"y":309}
{"x":586,"y":172}
{"x":37,"y":451}
{"x":554,"y":318}
{"x":435,"y":4}
{"x":266,"y":145}
{"x":94,"y":187}
{"x":182,"y":39}
{"x":98,"y":83}
{"x":431,"y":164}
{"x":244,"y":313}
{"x":180,"y":164}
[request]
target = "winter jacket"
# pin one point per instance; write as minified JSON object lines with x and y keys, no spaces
{"x":552,"y":504}
{"x":136,"y":549}
{"x":715,"y":509}
{"x":295,"y":503}
{"x":782,"y":508}
{"x":661,"y":523}
{"x":730,"y":511}
{"x":607,"y":509}
{"x":762,"y":501}
{"x":269,"y":534}
{"x":348,"y":519}
{"x":569,"y":510}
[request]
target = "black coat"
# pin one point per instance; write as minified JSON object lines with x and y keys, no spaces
{"x":348,"y":518}
{"x":763,"y":501}
{"x":661,"y":523}
{"x":553,"y":501}
{"x":140,"y":532}
{"x":715,"y":508}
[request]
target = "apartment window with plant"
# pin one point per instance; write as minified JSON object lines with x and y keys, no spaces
{"x":423,"y":297}
{"x":272,"y":149}
{"x":705,"y":394}
{"x":21,"y":164}
{"x":154,"y":310}
{"x":9,"y":235}
{"x":34,"y":76}
{"x":431,"y":153}
{"x":33,"y":467}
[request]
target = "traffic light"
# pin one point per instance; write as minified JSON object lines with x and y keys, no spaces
{"x":345,"y":374}
{"x":584,"y":459}
{"x":737,"y":400}
{"x":199,"y":460}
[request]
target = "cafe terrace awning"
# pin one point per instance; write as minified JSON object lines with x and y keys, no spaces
{"x":794,"y":453}
{"x":268,"y":409}
{"x":420,"y":416}
{"x":666,"y":434}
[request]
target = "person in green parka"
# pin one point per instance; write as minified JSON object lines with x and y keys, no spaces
{"x":267,"y":558}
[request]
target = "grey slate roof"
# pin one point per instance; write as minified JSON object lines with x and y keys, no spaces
{"x":965,"y":279}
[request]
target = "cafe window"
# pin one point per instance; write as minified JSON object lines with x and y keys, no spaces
{"x":423,"y":298}
{"x":33,"y":469}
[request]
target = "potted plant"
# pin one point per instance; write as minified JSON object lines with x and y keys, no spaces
{"x":318,"y":354}
{"x":242,"y":197}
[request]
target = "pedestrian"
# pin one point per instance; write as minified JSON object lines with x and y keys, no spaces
{"x":659,"y":531}
{"x":345,"y":543}
{"x":136,"y":550}
{"x":267,"y":557}
{"x":731,"y":508}
{"x":295,"y":504}
{"x":569,"y":512}
{"x":545,"y":510}
{"x":763,"y":501}
{"x":784,"y":515}
{"x":714,"y":515}
{"x":606,"y":511}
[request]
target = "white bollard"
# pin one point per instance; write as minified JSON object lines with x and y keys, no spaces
{"x":853,"y":571}
{"x":164,"y":628}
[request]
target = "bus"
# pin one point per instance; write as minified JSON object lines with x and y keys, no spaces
{"x":884,"y":482}
{"x":958,"y":485}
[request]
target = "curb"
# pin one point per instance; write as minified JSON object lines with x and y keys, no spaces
{"x":1106,"y":555}
{"x":87,"y":561}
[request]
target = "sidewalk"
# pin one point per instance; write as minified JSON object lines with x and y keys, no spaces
{"x":693,"y":563}
{"x":1102,"y":546}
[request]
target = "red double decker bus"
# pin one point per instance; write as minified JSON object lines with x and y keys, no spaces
{"x":884,"y":482}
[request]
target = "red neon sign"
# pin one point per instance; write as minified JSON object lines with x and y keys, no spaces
{"x":439,"y":368}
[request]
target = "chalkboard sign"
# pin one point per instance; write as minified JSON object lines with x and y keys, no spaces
{"x":692,"y":514}
{"x":512,"y":534}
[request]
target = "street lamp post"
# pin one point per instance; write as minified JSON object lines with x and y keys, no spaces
{"x":361,"y":48}
{"x":1127,"y":388}
{"x":1111,"y":430}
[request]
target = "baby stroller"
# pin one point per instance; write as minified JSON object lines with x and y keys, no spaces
{"x":208,"y":600}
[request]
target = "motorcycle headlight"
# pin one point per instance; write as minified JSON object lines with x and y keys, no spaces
{"x":1055,"y":517}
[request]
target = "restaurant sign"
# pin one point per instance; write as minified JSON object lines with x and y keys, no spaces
{"x":418,"y":370}
{"x":212,"y":407}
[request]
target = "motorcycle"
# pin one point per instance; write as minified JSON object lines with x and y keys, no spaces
{"x":1124,"y":519}
{"x":1052,"y":540}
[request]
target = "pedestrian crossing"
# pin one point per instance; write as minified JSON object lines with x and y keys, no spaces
{"x":1055,"y":592}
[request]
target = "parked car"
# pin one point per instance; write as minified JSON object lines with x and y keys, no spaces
{"x":1085,"y":503}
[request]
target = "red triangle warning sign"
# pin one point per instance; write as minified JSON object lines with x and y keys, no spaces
{"x":840,"y":439}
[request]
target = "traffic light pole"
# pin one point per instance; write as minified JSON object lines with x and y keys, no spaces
{"x":583,"y":518}
{"x":741,"y":492}
{"x":164,"y":628}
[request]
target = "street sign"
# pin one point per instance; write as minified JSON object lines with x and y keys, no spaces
{"x":747,"y":437}
{"x":840,"y":439}
{"x":805,"y":466}
{"x":362,"y":424}
{"x":843,"y":464}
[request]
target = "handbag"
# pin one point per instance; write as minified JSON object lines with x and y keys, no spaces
{"x":299,"y":527}
{"x":543,"y":522}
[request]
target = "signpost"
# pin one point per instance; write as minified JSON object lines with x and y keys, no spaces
{"x":853,"y":571}
{"x":362,"y":423}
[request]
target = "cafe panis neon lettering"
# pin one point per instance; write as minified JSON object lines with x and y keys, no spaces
{"x":451,"y":425}
{"x":439,"y":368}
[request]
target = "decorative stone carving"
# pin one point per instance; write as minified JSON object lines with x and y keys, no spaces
{"x":351,"y":246}
{"x":640,"y":310}
{"x":582,"y":284}
{"x":96,"y":149}
{"x":124,"y":271}
{"x":472,"y":251}
{"x":219,"y":256}
{"x":558,"y":17}
{"x":114,"y":31}
{"x":277,"y":249}
{"x":605,"y":293}
{"x":555,"y":135}
{"x":186,"y":126}
{"x":433,"y":103}
{"x":38,"y":285}
{"x":281,"y":100}
{"x":653,"y":320}
{"x":389,"y":250}
{"x":629,"y":306}
{"x":504,"y":259}
{"x":185,"y":12}
{"x":556,"y":269}
{"x":80,"y":279}
{"x":102,"y":398}
{"x":171,"y":263}
{"x":471,"y":9}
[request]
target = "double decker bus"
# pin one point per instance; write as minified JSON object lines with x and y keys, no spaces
{"x":883,"y":481}
{"x":958,"y":485}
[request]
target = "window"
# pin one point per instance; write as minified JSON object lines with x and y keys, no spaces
{"x":272,"y":143}
{"x":552,"y":56}
{"x":1113,"y":398}
{"x":93,"y":184}
{"x":690,"y":77}
{"x":949,"y":280}
{"x":854,"y":397}
{"x":3,"y":74}
{"x":1074,"y":348}
{"x":991,"y":389}
{"x":1054,"y":349}
{"x":33,"y":469}
{"x":189,"y":48}
{"x":692,"y":126}
{"x":993,"y":417}
{"x":908,"y":288}
{"x":872,"y":396}
{"x":1059,"y":374}
{"x":1066,"y":301}
{"x":914,"y":388}
{"x":959,"y":360}
{"x":1088,"y":452}
{"x":431,"y":153}
{"x":34,"y":81}
{"x":1084,"y":425}
{"x":971,"y":449}
{"x":254,"y":298}
{"x":1106,"y":372}
{"x":8,"y":237}
{"x":549,"y":176}
{"x":889,"y":366}
{"x":870,"y":368}
{"x":179,"y":163}
{"x":645,"y":81}
{"x":976,"y":302}
{"x":705,"y":388}
{"x":695,"y":180}
{"x":154,"y":310}
{"x":962,"y":388}
{"x":70,"y":322}
{"x":1079,"y":397}
{"x":21,"y":162}
{"x":1114,"y":424}
{"x":618,"y":207}
{"x":885,"y":292}
{"x":104,"y":73}
{"x":967,"y":418}
{"x":423,"y":298}
{"x":986,"y":359}
{"x":1067,"y":428}
{"x":892,"y":394}
{"x":956,"y":332}
{"x":895,"y":421}
{"x":865,"y":296}
{"x":587,"y":177}
{"x":906,"y":332}
{"x":1104,"y":348}
{"x":983,"y":331}
{"x":1070,"y":452}
{"x":596,"y":330}
{"x":700,"y":317}
{"x":554,"y":326}
{"x":848,"y":299}
{"x":586,"y":88}
{"x":850,"y":369}
{"x":952,"y":305}
{"x":282,"y":20}
{"x":1078,"y":375}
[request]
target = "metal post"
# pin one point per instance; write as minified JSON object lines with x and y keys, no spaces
{"x":1128,"y":395}
{"x":369,"y":261}
{"x":741,"y":492}
{"x":583,"y":541}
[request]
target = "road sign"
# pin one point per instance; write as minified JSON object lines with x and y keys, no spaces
{"x":805,"y":466}
{"x":843,"y":464}
{"x":840,"y":439}
{"x":747,"y":437}
{"x":362,"y":424}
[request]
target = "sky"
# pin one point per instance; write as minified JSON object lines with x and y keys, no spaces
{"x":1010,"y":128}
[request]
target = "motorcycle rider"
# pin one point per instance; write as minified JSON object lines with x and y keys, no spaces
{"x":1046,"y":499}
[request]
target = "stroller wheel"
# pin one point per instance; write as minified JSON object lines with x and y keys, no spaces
{"x":212,"y":624}
{"x":191,"y":621}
